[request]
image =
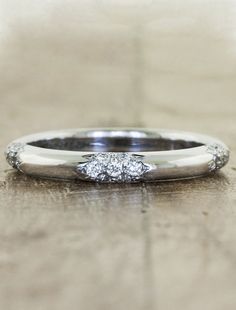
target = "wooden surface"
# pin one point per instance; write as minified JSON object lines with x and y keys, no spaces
{"x":66,"y":245}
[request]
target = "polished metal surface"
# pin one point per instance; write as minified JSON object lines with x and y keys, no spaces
{"x":162,"y":154}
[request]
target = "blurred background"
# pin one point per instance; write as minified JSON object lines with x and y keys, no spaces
{"x":147,"y":63}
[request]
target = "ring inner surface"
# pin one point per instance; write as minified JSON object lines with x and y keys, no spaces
{"x":114,"y":144}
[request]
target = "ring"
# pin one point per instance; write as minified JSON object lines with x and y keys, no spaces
{"x":117,"y":155}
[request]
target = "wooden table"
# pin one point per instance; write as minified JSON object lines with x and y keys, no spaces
{"x":66,"y":245}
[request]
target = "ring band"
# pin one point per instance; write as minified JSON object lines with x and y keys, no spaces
{"x":117,"y":155}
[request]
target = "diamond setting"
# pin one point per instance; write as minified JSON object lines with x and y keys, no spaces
{"x":220,"y":156}
{"x":113,"y":167}
{"x":12,"y":154}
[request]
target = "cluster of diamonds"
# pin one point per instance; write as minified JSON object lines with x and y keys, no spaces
{"x":113,"y":167}
{"x":220,"y":156}
{"x":12,"y":154}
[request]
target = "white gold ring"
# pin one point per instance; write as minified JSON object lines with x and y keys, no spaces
{"x":117,"y":155}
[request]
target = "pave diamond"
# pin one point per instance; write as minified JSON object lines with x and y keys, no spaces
{"x":12,"y":154}
{"x":113,"y":167}
{"x":220,"y":156}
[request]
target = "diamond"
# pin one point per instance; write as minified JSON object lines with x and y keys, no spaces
{"x":220,"y":156}
{"x":113,"y":167}
{"x":12,"y":154}
{"x":133,"y":167}
{"x":94,"y":169}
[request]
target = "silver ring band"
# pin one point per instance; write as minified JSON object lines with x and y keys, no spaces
{"x":117,"y":155}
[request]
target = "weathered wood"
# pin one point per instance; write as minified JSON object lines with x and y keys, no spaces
{"x":66,"y":245}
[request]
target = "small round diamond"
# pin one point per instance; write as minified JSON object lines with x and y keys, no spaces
{"x":114,"y":166}
{"x":133,"y":167}
{"x":94,"y":168}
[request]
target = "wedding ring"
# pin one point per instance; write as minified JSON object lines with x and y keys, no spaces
{"x":117,"y":155}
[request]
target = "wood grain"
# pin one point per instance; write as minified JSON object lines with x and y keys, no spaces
{"x":68,"y":245}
